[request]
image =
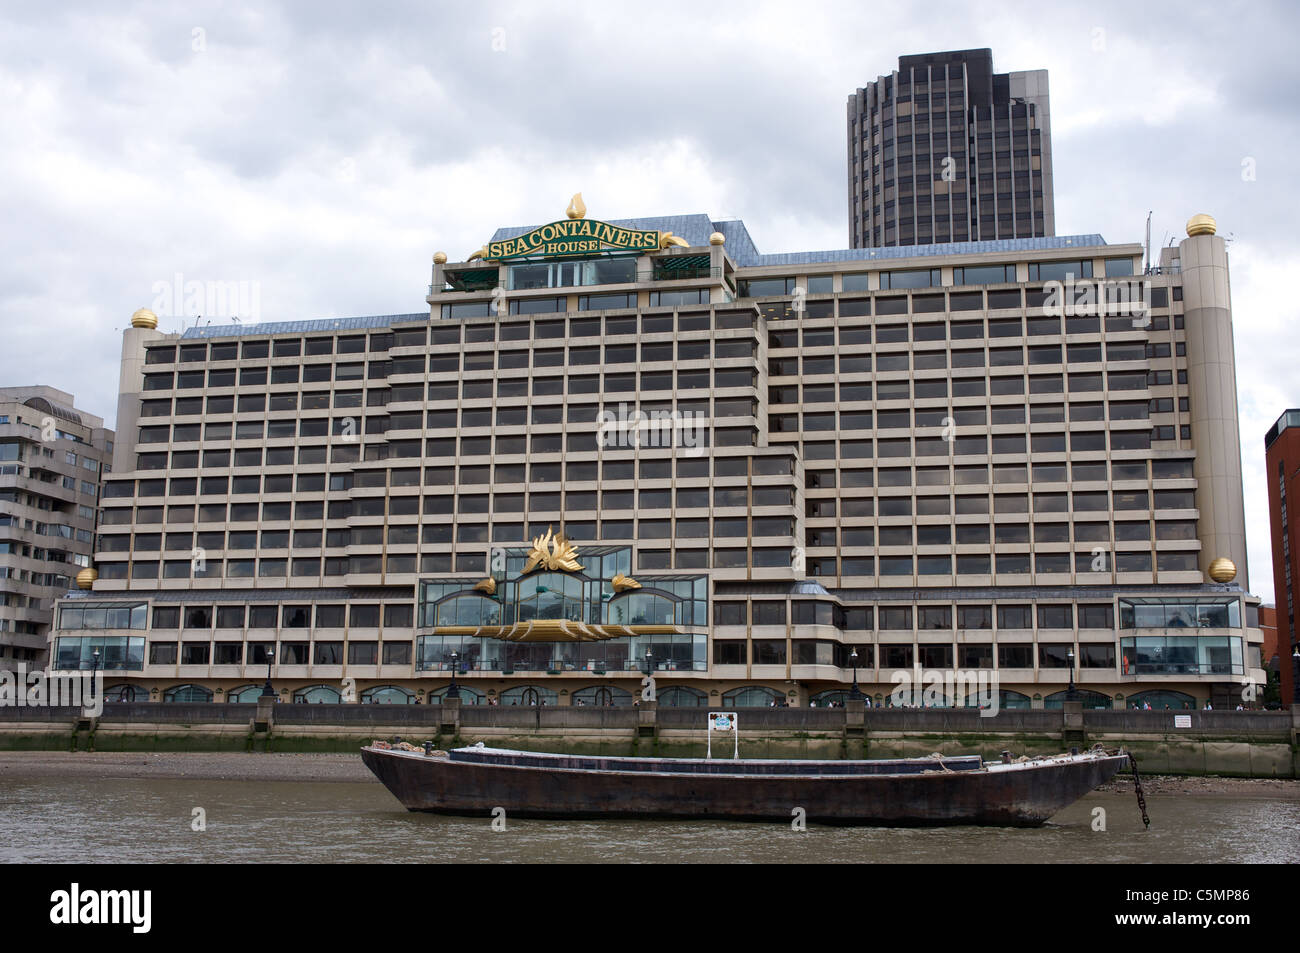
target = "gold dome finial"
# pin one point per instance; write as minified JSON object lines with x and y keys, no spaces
{"x":717,"y":238}
{"x":86,"y":578}
{"x":576,"y":209}
{"x":1201,"y":225}
{"x":1223,"y":570}
{"x":440,"y":258}
{"x":144,"y":318}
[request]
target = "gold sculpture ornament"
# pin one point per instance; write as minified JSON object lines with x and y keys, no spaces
{"x":440,"y":258}
{"x":554,"y":552}
{"x":144,"y":318}
{"x":487,"y":586}
{"x":481,"y":253}
{"x":1201,"y":225}
{"x":717,"y":238}
{"x":86,"y":578}
{"x":622,"y":583}
{"x":668,"y":239}
{"x":577,"y":208}
{"x":1223,"y":570}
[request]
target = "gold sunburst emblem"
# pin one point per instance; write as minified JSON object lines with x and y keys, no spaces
{"x":554,"y":552}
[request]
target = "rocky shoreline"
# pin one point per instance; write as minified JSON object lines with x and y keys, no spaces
{"x":1161,"y":784}
{"x":240,"y":766}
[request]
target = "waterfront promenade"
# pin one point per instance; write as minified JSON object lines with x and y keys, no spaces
{"x":1228,"y":743}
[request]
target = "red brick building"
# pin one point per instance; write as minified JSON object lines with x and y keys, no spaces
{"x":1282,"y":453}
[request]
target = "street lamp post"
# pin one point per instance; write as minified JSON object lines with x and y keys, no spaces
{"x":855,"y":693}
{"x":1070,"y":693}
{"x":452,"y":690}
{"x":94,"y":664}
{"x":267,"y":690}
{"x":649,"y":663}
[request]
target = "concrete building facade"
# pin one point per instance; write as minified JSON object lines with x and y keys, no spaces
{"x":943,"y":149}
{"x":608,"y":451}
{"x":52,"y":457}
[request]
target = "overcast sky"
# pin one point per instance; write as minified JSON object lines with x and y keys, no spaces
{"x":323,"y":151}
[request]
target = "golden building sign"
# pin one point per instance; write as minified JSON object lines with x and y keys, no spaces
{"x":577,"y":236}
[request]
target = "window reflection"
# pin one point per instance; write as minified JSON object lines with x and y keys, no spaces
{"x":1179,"y":655}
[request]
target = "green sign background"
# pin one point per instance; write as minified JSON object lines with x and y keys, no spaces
{"x":578,"y":236}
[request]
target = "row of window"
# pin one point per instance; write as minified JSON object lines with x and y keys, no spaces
{"x":699,"y":434}
{"x":1017,"y":564}
{"x":517,"y":416}
{"x":899,"y":618}
{"x":976,"y":534}
{"x":305,"y":568}
{"x":685,"y":297}
{"x":448,"y":363}
{"x":700,"y":379}
{"x":972,"y":416}
{"x":1095,"y":501}
{"x":931,"y":277}
{"x":652,"y":559}
{"x":291,"y":653}
{"x":939,"y":360}
{"x":410,"y":505}
{"x":938,"y":388}
{"x":201,"y":352}
{"x":646,"y":468}
{"x":304,"y":616}
{"x":582,"y":327}
{"x":1121,"y":312}
{"x":1091,"y":501}
{"x":254,"y":403}
{"x":886,"y":448}
{"x":649,"y":468}
{"x":617,"y":325}
{"x":1021,"y":656}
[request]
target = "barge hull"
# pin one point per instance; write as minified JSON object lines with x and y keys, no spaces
{"x":1024,"y":797}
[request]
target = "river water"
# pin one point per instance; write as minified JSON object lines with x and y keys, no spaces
{"x":107,"y":820}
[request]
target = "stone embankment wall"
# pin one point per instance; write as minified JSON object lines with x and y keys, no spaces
{"x":1228,"y":743}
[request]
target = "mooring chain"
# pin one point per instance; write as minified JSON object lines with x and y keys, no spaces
{"x":1137,"y":785}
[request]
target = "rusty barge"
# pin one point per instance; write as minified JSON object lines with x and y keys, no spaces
{"x":901,"y":792}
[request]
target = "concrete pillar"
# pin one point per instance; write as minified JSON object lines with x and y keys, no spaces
{"x":266,"y":711}
{"x":855,"y":719}
{"x":1212,"y":389}
{"x":449,"y":718}
{"x":647,"y":725}
{"x":130,"y":388}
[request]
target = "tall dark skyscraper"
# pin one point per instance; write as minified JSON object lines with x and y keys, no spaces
{"x":946,"y":150}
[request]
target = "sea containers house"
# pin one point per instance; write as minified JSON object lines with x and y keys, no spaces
{"x":612,"y":446}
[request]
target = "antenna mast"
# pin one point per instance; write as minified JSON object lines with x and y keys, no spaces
{"x":1146,"y":270}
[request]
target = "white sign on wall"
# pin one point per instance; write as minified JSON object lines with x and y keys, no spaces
{"x":724,"y":721}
